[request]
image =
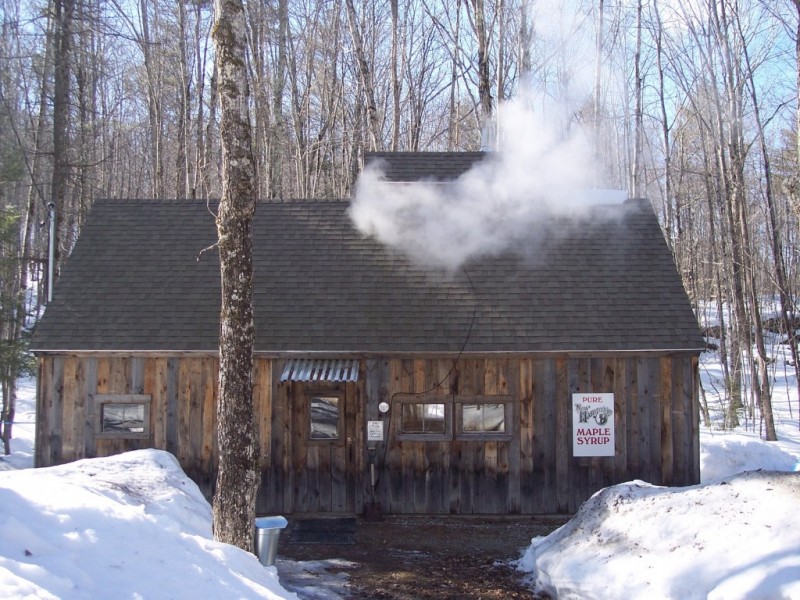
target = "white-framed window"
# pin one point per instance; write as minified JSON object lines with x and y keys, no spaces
{"x":122,"y":415}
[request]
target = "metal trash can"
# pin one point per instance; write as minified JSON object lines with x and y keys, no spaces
{"x":268,"y":530}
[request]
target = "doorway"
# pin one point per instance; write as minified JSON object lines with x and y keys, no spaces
{"x":323,"y":440}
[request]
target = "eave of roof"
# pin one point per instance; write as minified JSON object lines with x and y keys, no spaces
{"x":374,"y":354}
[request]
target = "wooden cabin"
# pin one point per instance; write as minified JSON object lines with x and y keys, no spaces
{"x":521,"y":384}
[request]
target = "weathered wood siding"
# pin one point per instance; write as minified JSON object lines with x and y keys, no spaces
{"x":534,"y":471}
{"x":183,"y":392}
{"x":531,"y":472}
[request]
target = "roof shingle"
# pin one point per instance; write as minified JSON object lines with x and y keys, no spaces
{"x":417,"y":166}
{"x":139,"y":281}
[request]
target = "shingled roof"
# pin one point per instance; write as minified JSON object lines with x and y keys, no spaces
{"x":416,"y":166}
{"x":138,"y":280}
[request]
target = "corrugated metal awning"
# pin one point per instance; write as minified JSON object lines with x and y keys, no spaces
{"x":319,"y":369}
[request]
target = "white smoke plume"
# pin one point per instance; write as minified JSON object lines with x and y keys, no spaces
{"x":536,"y":170}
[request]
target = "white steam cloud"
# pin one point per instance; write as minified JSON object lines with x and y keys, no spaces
{"x":490,"y":208}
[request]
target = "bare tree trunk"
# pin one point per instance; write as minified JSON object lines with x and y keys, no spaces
{"x":299,"y":130}
{"x":153,"y":104}
{"x":200,"y":142}
{"x":735,"y":340}
{"x":365,"y":74}
{"x":208,"y":158}
{"x":484,"y":75}
{"x":732,"y":208}
{"x":184,"y":94}
{"x":82,"y":85}
{"x":500,"y":9}
{"x":665,"y":135}
{"x":453,"y":117}
{"x":35,"y":191}
{"x":395,"y":79}
{"x":277,"y":134}
{"x":728,"y":355}
{"x":239,"y":477}
{"x":598,"y":72}
{"x":64,"y":12}
{"x":257,"y":37}
{"x":9,"y":407}
{"x":636,"y":164}
{"x":777,"y":254}
{"x":792,"y":182}
{"x":743,"y":283}
{"x":797,"y":86}
{"x":525,"y":41}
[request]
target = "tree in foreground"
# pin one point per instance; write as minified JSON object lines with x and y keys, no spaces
{"x":238,"y":476}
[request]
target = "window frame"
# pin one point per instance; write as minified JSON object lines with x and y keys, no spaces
{"x":446,"y":436}
{"x":453,"y":419}
{"x":101,"y":400}
{"x":340,"y":397}
{"x":508,"y":406}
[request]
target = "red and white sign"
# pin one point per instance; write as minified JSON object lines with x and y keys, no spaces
{"x":592,"y":424}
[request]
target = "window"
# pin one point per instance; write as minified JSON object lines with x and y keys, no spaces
{"x":484,"y":417}
{"x":423,"y":418}
{"x":426,"y":419}
{"x":325,"y":418}
{"x":123,"y":418}
{"x":438,"y":418}
{"x":123,"y":415}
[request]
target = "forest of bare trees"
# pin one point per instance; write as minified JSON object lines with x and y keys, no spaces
{"x":691,"y":103}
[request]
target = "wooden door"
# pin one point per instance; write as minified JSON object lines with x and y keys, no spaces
{"x":322,"y":448}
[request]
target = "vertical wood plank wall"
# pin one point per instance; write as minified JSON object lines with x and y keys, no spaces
{"x":183,"y":392}
{"x":533,"y":472}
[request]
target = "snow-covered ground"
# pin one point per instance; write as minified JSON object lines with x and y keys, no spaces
{"x":735,"y":538}
{"x":134,"y":526}
{"x":129,"y":526}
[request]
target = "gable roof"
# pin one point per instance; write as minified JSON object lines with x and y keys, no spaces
{"x":417,"y":166}
{"x":134,"y":282}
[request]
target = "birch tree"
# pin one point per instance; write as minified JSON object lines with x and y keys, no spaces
{"x":238,"y":477}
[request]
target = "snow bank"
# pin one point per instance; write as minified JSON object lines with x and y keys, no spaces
{"x":736,"y":538}
{"x":724,"y":454}
{"x":128,"y":526}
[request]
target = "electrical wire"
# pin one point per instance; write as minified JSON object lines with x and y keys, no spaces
{"x":432,"y":388}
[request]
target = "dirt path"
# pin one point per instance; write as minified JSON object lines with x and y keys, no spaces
{"x":432,"y":558}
